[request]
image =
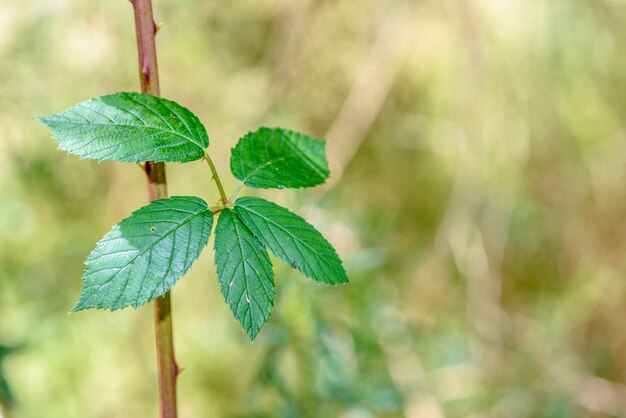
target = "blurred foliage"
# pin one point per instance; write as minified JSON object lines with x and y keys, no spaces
{"x":6,"y":396}
{"x":477,"y":155}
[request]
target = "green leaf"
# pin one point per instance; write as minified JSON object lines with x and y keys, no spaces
{"x":129,"y":127}
{"x":278,"y":158}
{"x":244,"y":272}
{"x":292,"y":239}
{"x":144,"y":255}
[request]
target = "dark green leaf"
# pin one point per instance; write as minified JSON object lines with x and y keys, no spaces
{"x":278,"y":158}
{"x":129,"y":127}
{"x":291,"y":239}
{"x":144,"y":255}
{"x":244,"y":272}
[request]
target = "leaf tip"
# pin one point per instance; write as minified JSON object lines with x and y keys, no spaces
{"x":83,"y":304}
{"x":41,"y":119}
{"x":253,"y":333}
{"x":78,"y":307}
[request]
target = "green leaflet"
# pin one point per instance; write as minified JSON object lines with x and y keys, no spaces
{"x":291,"y":239}
{"x":279,"y":158}
{"x":129,"y":127}
{"x":244,"y":272}
{"x":145,"y":254}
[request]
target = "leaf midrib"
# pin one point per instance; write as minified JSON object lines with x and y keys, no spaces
{"x":243,"y":268}
{"x":295,"y":237}
{"x":295,"y":152}
{"x":123,"y":125}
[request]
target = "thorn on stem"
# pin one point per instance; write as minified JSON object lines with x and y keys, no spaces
{"x":145,"y":69}
{"x":156,"y":26}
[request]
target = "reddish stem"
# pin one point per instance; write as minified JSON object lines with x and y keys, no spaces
{"x":157,"y":189}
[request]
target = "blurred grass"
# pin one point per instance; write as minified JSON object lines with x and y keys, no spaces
{"x":477,"y":198}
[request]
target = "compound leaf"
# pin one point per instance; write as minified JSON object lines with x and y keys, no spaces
{"x":244,"y":272}
{"x":279,"y":158}
{"x":129,"y":127}
{"x":292,"y":239}
{"x":145,"y":254}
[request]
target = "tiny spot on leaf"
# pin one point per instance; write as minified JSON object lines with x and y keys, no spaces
{"x":153,"y":228}
{"x":247,"y":298}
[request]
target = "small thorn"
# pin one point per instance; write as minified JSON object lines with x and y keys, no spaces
{"x":145,"y":69}
{"x":157,"y":26}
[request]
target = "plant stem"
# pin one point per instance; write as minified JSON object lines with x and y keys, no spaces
{"x":157,"y":189}
{"x":216,"y":177}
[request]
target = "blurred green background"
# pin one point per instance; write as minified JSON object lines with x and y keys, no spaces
{"x":477,"y":198}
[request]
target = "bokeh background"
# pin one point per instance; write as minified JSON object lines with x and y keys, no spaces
{"x":477,"y":198}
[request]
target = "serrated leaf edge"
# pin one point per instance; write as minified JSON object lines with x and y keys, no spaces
{"x":249,"y":331}
{"x":80,"y":305}
{"x":340,"y":282}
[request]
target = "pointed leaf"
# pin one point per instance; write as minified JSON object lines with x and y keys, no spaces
{"x":244,"y":272}
{"x":279,"y":158}
{"x":292,"y":239}
{"x":129,"y":127}
{"x":144,"y":255}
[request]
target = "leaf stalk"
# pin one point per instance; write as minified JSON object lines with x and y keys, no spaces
{"x":216,"y":178}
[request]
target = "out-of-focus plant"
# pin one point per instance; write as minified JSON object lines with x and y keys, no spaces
{"x":144,"y":255}
{"x":6,"y":395}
